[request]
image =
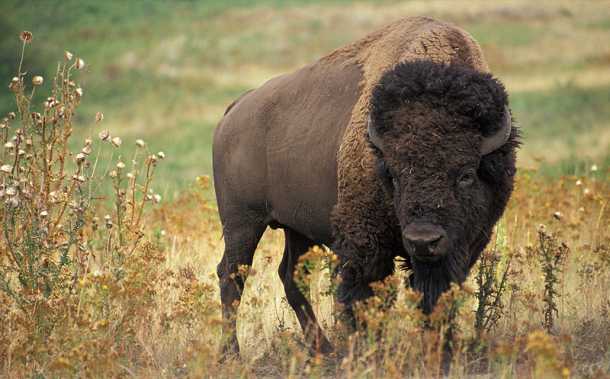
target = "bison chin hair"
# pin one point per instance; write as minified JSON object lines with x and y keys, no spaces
{"x":432,"y":279}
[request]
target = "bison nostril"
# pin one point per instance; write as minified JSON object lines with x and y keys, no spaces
{"x":425,"y":239}
{"x":434,"y":243}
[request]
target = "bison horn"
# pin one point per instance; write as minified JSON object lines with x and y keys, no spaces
{"x":494,"y":142}
{"x":373,"y":136}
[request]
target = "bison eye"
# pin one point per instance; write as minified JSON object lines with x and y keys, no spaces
{"x":467,"y":179}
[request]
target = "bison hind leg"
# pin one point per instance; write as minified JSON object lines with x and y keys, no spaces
{"x":296,"y":245}
{"x":241,"y":239}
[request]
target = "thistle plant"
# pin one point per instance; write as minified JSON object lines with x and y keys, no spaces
{"x":491,"y":281}
{"x":51,"y":235}
{"x":552,"y":255}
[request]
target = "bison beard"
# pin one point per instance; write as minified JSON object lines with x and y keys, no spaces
{"x":432,"y":279}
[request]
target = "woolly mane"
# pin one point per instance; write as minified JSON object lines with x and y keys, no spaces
{"x":457,"y":89}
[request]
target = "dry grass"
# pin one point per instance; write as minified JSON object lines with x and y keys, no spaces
{"x":135,"y":294}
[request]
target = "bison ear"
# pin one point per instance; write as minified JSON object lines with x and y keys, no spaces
{"x":373,"y":135}
{"x":498,"y":139}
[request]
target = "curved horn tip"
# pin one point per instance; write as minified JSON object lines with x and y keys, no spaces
{"x":494,"y":142}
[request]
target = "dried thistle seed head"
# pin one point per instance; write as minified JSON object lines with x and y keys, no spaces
{"x":140,"y":143}
{"x":11,"y":115}
{"x":80,"y":157}
{"x":79,"y":178}
{"x":116,"y":141}
{"x":9,"y":145}
{"x":68,"y":55}
{"x":557,"y":215}
{"x":80,"y":63}
{"x":79,"y":92}
{"x":113,"y":174}
{"x":104,"y":135}
{"x":3,"y":125}
{"x":99,"y":117}
{"x":12,"y":202}
{"x":86,"y":150}
{"x":594,"y":168}
{"x":21,"y":152}
{"x":161,"y":155}
{"x":156,"y":198}
{"x":130,"y":175}
{"x":6,"y":168}
{"x":25,"y":36}
{"x":11,"y":191}
{"x":44,"y":214}
{"x":120,"y":165}
{"x":14,"y":84}
{"x":37,"y":80}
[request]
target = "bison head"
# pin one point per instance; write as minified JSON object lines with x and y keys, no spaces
{"x":445,"y":149}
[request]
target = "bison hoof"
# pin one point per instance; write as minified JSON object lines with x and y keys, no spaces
{"x":228,"y":352}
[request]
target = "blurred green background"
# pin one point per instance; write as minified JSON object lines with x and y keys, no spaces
{"x":165,"y":71}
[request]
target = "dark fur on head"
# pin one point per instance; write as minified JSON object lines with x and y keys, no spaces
{"x":432,"y":118}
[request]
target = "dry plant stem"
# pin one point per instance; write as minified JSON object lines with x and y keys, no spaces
{"x":149,"y":172}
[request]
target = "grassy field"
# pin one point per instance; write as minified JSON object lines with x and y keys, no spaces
{"x":142,"y":300}
{"x":158,"y":70}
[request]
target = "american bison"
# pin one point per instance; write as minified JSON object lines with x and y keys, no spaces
{"x":399,"y":144}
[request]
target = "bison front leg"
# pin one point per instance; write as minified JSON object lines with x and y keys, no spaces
{"x":356,"y":275}
{"x":297,"y":245}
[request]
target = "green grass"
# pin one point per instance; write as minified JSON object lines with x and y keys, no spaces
{"x":563,"y":110}
{"x":165,"y":71}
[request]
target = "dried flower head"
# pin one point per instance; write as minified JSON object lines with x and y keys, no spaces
{"x":80,"y":63}
{"x":140,"y":143}
{"x":594,"y":168}
{"x":79,"y":178}
{"x":37,"y":80}
{"x":156,"y":198}
{"x":44,"y":214}
{"x":120,"y":165}
{"x":80,"y":157}
{"x":68,"y":55}
{"x":14,"y":84}
{"x":116,"y":141}
{"x":25,"y":36}
{"x":79,"y":92}
{"x":9,"y":145}
{"x":161,"y":155}
{"x":6,"y":168}
{"x":104,"y":135}
{"x":99,"y":117}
